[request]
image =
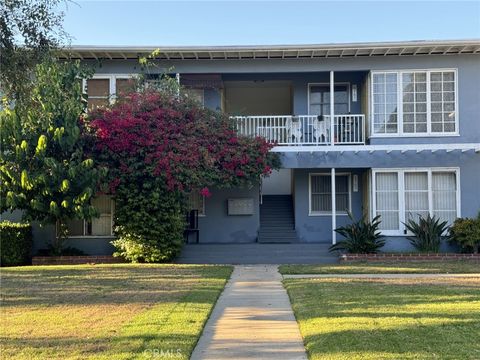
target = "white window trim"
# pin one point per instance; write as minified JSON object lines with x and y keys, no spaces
{"x":112,"y":84}
{"x":309,"y":86}
{"x":329,"y":213}
{"x":400,"y":132}
{"x":85,"y":222}
{"x":401,"y":193}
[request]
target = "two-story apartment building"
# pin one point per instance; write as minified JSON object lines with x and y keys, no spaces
{"x":390,"y":129}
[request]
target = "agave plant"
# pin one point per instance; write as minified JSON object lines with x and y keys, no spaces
{"x":427,"y":233}
{"x":361,"y":236}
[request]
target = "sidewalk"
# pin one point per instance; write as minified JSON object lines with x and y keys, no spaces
{"x":252,"y":319}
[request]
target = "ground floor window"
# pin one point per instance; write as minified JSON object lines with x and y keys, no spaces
{"x":403,"y":194}
{"x":196,"y":201}
{"x":101,"y":226}
{"x":321,"y":194}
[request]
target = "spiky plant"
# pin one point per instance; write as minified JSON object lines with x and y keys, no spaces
{"x":427,"y":233}
{"x":361,"y":236}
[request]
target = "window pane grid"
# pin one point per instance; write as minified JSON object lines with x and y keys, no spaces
{"x":385,"y":111}
{"x":443,"y":101}
{"x":427,"y":102}
{"x":414,"y":95}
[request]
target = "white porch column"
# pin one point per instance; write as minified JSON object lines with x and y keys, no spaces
{"x":332,"y":108}
{"x":334,"y":208}
{"x":177,"y":77}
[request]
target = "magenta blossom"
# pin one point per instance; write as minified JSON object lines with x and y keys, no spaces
{"x":205,"y":192}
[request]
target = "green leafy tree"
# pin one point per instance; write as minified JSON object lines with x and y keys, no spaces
{"x":43,"y":166}
{"x":29,"y":31}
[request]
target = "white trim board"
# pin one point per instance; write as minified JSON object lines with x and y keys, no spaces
{"x":387,"y":148}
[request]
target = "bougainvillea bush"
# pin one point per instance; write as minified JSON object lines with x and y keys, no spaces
{"x":159,"y":146}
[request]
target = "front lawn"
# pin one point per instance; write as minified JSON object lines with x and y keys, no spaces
{"x":388,"y":319}
{"x":106,"y":311}
{"x":385,"y":268}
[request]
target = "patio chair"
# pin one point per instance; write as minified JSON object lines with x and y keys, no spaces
{"x":320,"y":130}
{"x":294,"y":130}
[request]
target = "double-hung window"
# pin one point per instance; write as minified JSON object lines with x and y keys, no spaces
{"x":419,"y":102}
{"x":321,"y":194}
{"x":100,"y":226}
{"x":404,"y":194}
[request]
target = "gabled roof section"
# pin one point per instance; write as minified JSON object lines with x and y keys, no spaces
{"x":372,"y":49}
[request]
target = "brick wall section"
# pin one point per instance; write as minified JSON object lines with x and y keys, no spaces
{"x":75,"y":260}
{"x":408,"y":257}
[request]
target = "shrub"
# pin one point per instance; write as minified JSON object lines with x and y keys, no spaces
{"x":427,"y":233}
{"x":465,"y":232}
{"x":154,"y":231}
{"x":159,"y":146}
{"x":361,"y":237}
{"x":15,"y":243}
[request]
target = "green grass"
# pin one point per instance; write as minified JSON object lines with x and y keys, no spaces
{"x":385,"y":268}
{"x":379,"y":319}
{"x":106,"y":311}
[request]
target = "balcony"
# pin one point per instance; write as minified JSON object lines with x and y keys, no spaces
{"x":305,"y":130}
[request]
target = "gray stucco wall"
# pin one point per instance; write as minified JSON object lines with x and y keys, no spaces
{"x":44,"y":235}
{"x":218,"y":227}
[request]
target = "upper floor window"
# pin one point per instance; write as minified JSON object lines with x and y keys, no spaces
{"x":102,"y":89}
{"x":319,"y":99}
{"x":414,"y":102}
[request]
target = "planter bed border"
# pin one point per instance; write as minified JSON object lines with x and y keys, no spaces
{"x":408,"y":257}
{"x":75,"y":260}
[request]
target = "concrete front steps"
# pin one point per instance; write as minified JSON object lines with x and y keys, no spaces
{"x":255,"y":253}
{"x":277,"y":222}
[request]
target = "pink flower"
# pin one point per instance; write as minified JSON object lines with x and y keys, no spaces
{"x":205,"y":192}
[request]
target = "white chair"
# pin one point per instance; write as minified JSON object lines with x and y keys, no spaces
{"x":320,"y":130}
{"x":294,"y":130}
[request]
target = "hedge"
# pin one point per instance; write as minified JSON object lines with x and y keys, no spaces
{"x":15,"y":243}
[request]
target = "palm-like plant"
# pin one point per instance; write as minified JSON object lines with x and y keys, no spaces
{"x":361,"y":236}
{"x":427,"y":233}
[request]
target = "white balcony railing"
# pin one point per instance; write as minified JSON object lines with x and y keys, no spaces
{"x":304,"y":129}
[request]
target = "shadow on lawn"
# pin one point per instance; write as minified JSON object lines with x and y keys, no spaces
{"x":104,"y":285}
{"x":441,"y":341}
{"x":384,"y":320}
{"x":111,"y":346}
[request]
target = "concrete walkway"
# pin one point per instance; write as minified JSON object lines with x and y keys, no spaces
{"x":252,"y":319}
{"x":379,"y":276}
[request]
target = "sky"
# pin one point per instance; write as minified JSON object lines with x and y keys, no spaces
{"x":170,"y":23}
